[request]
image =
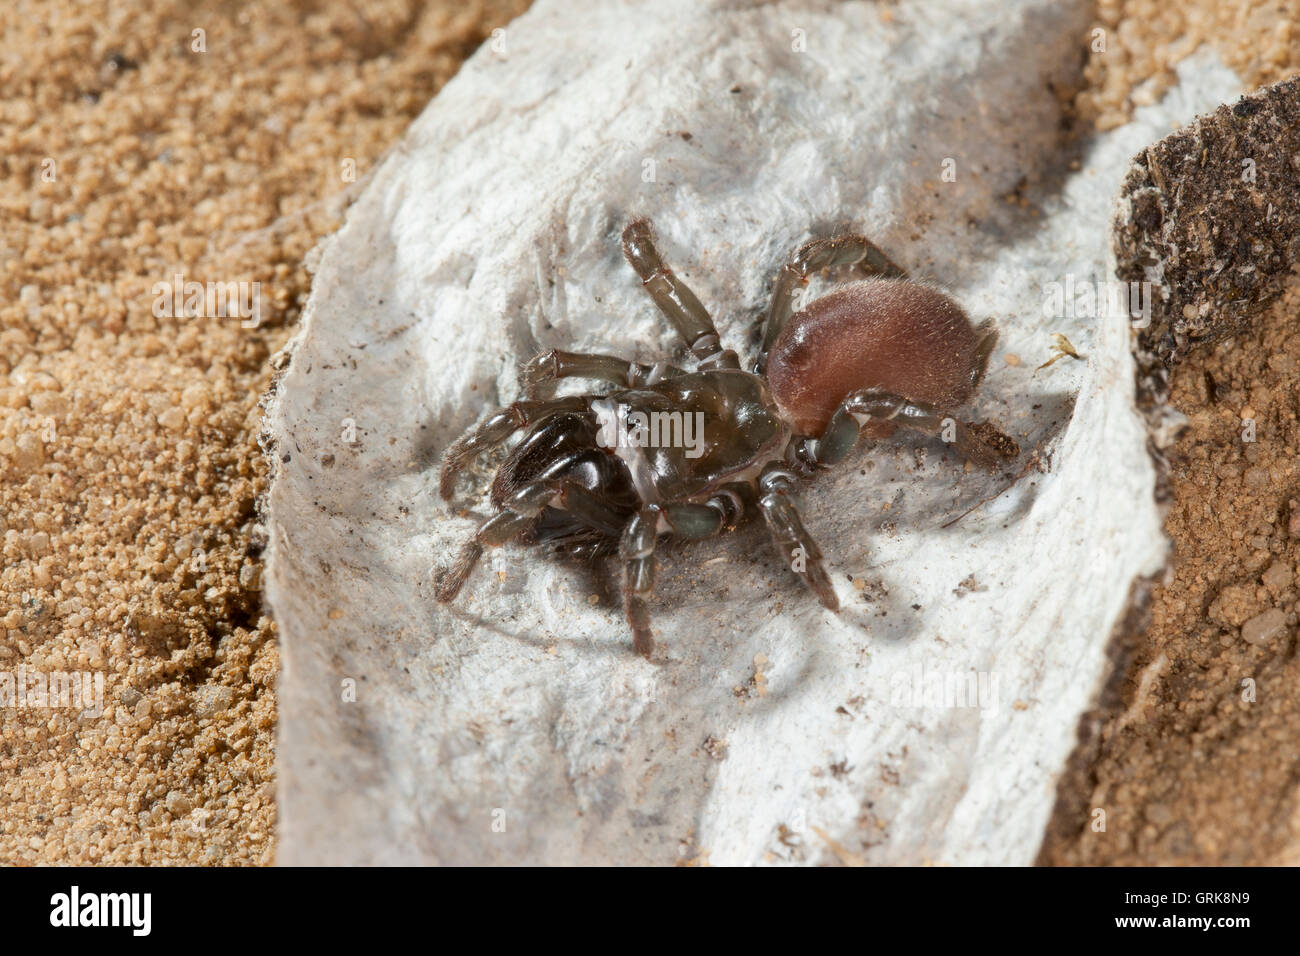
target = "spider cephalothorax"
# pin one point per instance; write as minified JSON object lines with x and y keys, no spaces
{"x":689,"y":452}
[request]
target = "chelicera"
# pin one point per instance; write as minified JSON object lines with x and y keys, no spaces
{"x":872,"y":356}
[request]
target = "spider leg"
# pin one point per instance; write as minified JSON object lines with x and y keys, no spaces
{"x":677,"y":302}
{"x":516,"y":514}
{"x":500,"y":426}
{"x":789,"y":535}
{"x":693,"y":521}
{"x":593,"y":510}
{"x":983,"y":444}
{"x":983,"y":350}
{"x":550,"y":367}
{"x":812,"y":257}
{"x":637,"y":550}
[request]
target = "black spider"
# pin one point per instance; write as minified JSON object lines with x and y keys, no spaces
{"x":690,"y":452}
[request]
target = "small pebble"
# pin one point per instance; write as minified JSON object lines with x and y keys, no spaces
{"x":1278,"y":577}
{"x":1263,"y":628}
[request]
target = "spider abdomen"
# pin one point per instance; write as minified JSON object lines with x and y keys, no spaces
{"x":894,"y":334}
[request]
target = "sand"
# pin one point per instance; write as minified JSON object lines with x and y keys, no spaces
{"x":130,"y":473}
{"x":129,"y":465}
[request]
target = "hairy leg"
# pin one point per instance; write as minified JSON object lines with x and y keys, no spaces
{"x":550,"y":367}
{"x":812,"y":257}
{"x":500,"y":426}
{"x":675,"y":300}
{"x":693,"y":521}
{"x":791,"y":538}
{"x":637,"y":550}
{"x":983,"y":444}
{"x":593,"y":510}
{"x":516,"y":514}
{"x":685,"y":520}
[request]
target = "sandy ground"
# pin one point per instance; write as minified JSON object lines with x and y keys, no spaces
{"x":129,"y":464}
{"x":130,"y":471}
{"x":1197,"y":764}
{"x":1200,"y":764}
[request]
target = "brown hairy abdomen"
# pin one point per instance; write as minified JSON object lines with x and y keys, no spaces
{"x":888,"y":333}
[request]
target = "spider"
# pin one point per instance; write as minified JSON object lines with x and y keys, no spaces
{"x":594,"y":475}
